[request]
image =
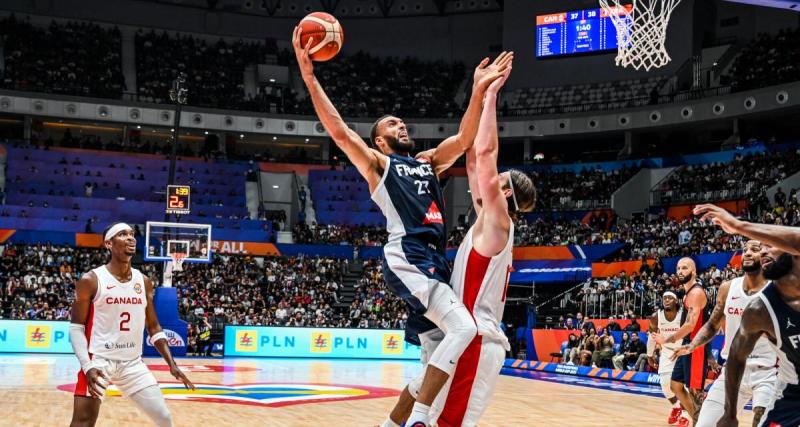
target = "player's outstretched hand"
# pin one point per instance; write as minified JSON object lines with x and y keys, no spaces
{"x":301,"y":52}
{"x":179,"y":375}
{"x":486,"y":73}
{"x":681,"y":351}
{"x":498,"y":83}
{"x":718,"y":216}
{"x":97,"y":381}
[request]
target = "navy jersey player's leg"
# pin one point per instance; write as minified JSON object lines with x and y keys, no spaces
{"x":786,"y":411}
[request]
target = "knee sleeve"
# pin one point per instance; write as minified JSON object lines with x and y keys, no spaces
{"x":150,"y":401}
{"x":459,"y":330}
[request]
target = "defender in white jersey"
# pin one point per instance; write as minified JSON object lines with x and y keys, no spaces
{"x":666,"y":322}
{"x":480,"y":276}
{"x":113,"y":306}
{"x":759,"y":381}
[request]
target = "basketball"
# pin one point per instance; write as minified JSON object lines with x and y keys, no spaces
{"x":327,"y":33}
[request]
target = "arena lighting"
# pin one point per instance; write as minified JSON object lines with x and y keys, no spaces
{"x":275,"y":186}
{"x":274,"y":138}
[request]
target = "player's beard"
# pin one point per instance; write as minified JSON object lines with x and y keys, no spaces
{"x":686,"y":279}
{"x":752,"y":268}
{"x":779,"y":268}
{"x":399,"y":147}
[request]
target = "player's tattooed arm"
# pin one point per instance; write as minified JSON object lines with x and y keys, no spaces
{"x":711,"y":328}
{"x":157,"y":335}
{"x":453,"y":147}
{"x":369,"y":162}
{"x":780,"y":236}
{"x":756,"y":322}
{"x":695,"y":300}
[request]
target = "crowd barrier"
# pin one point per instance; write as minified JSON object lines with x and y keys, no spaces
{"x":544,"y":343}
{"x":266,"y":341}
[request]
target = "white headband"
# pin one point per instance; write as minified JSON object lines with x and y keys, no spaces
{"x":116,"y":229}
{"x":669,"y":294}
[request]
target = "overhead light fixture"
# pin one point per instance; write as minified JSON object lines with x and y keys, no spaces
{"x":241,"y":136}
{"x":206,"y":132}
{"x":138,"y":126}
{"x":272,"y":80}
{"x":275,"y":187}
{"x":274,"y":138}
{"x":306,"y":139}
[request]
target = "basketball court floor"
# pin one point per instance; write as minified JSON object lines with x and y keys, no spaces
{"x":36,"y":391}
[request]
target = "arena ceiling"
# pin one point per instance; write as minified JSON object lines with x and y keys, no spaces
{"x":344,"y":8}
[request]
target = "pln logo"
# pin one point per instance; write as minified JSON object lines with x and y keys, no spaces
{"x":392,"y":344}
{"x":320,"y":342}
{"x":37,"y":336}
{"x":246,"y":340}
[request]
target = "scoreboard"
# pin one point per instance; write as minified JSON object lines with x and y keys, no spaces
{"x":178,"y":199}
{"x":576,"y":32}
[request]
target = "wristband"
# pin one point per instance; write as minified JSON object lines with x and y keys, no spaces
{"x":157,"y":336}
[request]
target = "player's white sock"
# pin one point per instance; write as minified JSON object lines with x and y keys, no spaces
{"x":677,"y":404}
{"x":419,"y":414}
{"x":389,"y":423}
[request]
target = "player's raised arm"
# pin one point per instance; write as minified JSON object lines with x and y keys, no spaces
{"x":782,"y":237}
{"x":159,"y":338}
{"x":756,"y":321}
{"x":453,"y":147}
{"x":711,"y":327}
{"x":369,"y":162}
{"x":493,"y":198}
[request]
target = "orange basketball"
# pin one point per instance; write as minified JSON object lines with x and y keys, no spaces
{"x":327,"y":33}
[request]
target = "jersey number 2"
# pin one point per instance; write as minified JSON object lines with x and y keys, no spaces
{"x":422,"y":187}
{"x":126,"y":317}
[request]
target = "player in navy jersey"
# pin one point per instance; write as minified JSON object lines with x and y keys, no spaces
{"x":408,"y":193}
{"x":776,"y":315}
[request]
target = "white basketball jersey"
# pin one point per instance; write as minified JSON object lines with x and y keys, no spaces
{"x":667,"y":328}
{"x":117,"y":316}
{"x":481,"y":284}
{"x":737,"y":300}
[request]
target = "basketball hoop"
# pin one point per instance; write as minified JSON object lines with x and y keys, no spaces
{"x":177,"y":260}
{"x":641,"y":31}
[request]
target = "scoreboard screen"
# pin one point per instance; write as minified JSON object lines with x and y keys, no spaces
{"x":178,"y":199}
{"x":577,"y":32}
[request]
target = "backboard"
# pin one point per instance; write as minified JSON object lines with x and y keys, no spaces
{"x":162,"y":239}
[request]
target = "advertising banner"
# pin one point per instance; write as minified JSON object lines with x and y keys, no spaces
{"x":266,"y":341}
{"x":34,"y":336}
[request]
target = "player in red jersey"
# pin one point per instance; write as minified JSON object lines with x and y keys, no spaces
{"x":691,"y":370}
{"x":480,"y":276}
{"x":113,"y":305}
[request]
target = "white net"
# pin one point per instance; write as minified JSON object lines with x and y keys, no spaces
{"x":641,"y":31}
{"x":177,"y":261}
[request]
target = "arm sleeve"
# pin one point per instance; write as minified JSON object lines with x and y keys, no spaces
{"x":80,"y":345}
{"x":651,"y":346}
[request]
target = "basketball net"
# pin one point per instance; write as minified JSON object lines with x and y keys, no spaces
{"x":177,"y":261}
{"x":641,"y":31}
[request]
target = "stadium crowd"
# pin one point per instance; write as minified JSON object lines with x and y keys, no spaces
{"x":759,"y":63}
{"x":586,"y":189}
{"x":334,"y":234}
{"x":214,"y":69}
{"x":746,"y":176}
{"x":73,"y":58}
